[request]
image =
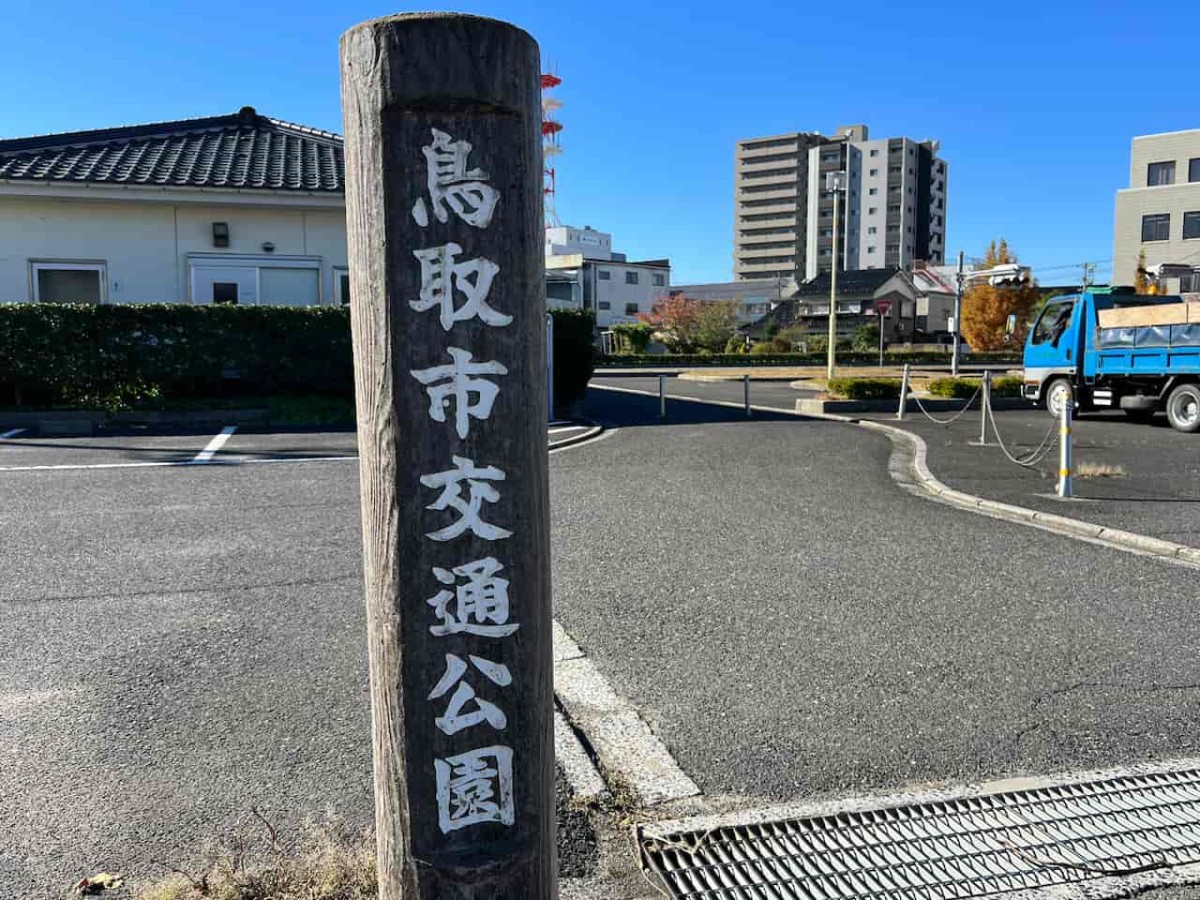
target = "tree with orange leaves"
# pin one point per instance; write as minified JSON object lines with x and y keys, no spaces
{"x":986,"y":307}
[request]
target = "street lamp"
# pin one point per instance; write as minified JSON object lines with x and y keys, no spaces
{"x":835,"y":182}
{"x":1007,"y":273}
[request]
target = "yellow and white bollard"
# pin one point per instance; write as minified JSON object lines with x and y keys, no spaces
{"x":1065,"y":485}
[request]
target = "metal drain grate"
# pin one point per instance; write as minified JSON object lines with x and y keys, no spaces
{"x":970,"y":847}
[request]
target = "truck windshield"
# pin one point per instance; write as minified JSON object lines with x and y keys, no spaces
{"x":1052,"y":322}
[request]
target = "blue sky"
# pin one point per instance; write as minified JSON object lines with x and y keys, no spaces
{"x":1034,"y":103}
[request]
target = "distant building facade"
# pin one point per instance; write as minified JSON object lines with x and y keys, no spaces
{"x":892,"y":213}
{"x":236,"y":209}
{"x":584,"y":272}
{"x":754,"y":298}
{"x":1159,"y":212}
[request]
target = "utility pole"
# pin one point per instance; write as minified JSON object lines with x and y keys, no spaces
{"x":958,"y":295}
{"x":445,"y":233}
{"x":1089,"y":272}
{"x":833,"y":182}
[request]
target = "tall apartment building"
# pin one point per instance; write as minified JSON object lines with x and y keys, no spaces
{"x":892,"y":213}
{"x":1159,"y":213}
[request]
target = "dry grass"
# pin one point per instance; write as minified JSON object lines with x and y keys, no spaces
{"x":1099,"y":470}
{"x":322,"y":864}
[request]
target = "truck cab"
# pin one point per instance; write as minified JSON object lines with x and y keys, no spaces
{"x":1054,"y":351}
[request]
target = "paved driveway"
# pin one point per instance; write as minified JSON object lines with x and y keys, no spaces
{"x":793,"y":624}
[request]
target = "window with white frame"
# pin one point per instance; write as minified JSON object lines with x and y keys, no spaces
{"x":73,"y":281}
{"x":659,"y":280}
{"x":341,"y":285}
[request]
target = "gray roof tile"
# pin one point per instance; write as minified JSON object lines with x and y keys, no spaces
{"x":243,"y":150}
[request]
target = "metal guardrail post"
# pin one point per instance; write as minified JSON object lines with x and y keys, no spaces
{"x":1065,"y":480}
{"x":662,"y":396}
{"x":746,"y":393}
{"x":985,"y":407}
{"x":903,"y":393}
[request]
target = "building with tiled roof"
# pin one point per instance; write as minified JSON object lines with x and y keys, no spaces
{"x":240,"y":208}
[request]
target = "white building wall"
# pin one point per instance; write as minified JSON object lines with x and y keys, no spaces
{"x":613,"y":294}
{"x":145,"y":244}
{"x":1139,"y":200}
{"x":813,"y":213}
{"x":564,"y":239}
{"x":872,"y":208}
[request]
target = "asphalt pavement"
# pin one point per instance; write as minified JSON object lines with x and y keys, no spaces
{"x":1138,"y":477}
{"x":183,"y":643}
{"x":792,"y":624}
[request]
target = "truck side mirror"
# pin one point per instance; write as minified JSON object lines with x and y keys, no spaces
{"x":1011,"y":325}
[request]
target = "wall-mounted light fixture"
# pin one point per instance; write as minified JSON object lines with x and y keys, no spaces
{"x":220,"y":234}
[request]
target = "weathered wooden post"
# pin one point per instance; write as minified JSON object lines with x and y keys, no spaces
{"x":444,"y":219}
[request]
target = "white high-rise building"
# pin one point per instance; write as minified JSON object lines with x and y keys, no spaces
{"x":892,"y":213}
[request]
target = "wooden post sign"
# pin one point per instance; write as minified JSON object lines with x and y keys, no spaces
{"x":444,"y":221}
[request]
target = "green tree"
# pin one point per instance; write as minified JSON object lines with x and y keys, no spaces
{"x":986,"y":307}
{"x":716,"y":321}
{"x":632,"y":337}
{"x":866,"y":337}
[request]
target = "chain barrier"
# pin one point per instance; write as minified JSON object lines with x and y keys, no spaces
{"x":1039,"y":453}
{"x":954,"y":418}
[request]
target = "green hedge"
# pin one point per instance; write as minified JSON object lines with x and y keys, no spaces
{"x":796,"y":359}
{"x":113,"y":357}
{"x":117,"y":357}
{"x":866,"y":388}
{"x":963,"y":388}
{"x":574,"y":353}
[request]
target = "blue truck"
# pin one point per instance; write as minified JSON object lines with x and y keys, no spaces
{"x":1115,"y":349}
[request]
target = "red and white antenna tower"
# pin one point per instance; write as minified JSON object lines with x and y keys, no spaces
{"x":550,"y":146}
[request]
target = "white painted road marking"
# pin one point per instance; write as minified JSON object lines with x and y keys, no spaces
{"x":205,"y":456}
{"x":211,"y":448}
{"x":171,"y":464}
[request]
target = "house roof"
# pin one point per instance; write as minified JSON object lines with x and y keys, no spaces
{"x":239,"y":151}
{"x":852,"y":282}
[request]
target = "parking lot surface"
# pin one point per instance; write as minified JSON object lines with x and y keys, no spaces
{"x":1137,"y":477}
{"x":184,"y":641}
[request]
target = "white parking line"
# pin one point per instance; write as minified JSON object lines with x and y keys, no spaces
{"x":11,"y":434}
{"x":173,"y":464}
{"x":211,"y":448}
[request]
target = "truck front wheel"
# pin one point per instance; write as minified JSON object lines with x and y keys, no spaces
{"x":1056,"y":393}
{"x":1183,"y":408}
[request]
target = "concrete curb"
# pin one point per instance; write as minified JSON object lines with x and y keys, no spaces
{"x":813,"y":407}
{"x":1130,"y":542}
{"x":594,"y":431}
{"x":925,"y":481}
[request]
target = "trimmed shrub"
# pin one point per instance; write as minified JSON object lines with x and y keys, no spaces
{"x":114,"y":357}
{"x":774,"y":357}
{"x":957,"y":388}
{"x":963,"y":388}
{"x":1007,"y":386}
{"x":866,"y":388}
{"x":574,"y":353}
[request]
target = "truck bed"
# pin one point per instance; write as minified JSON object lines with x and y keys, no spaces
{"x":1149,"y":350}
